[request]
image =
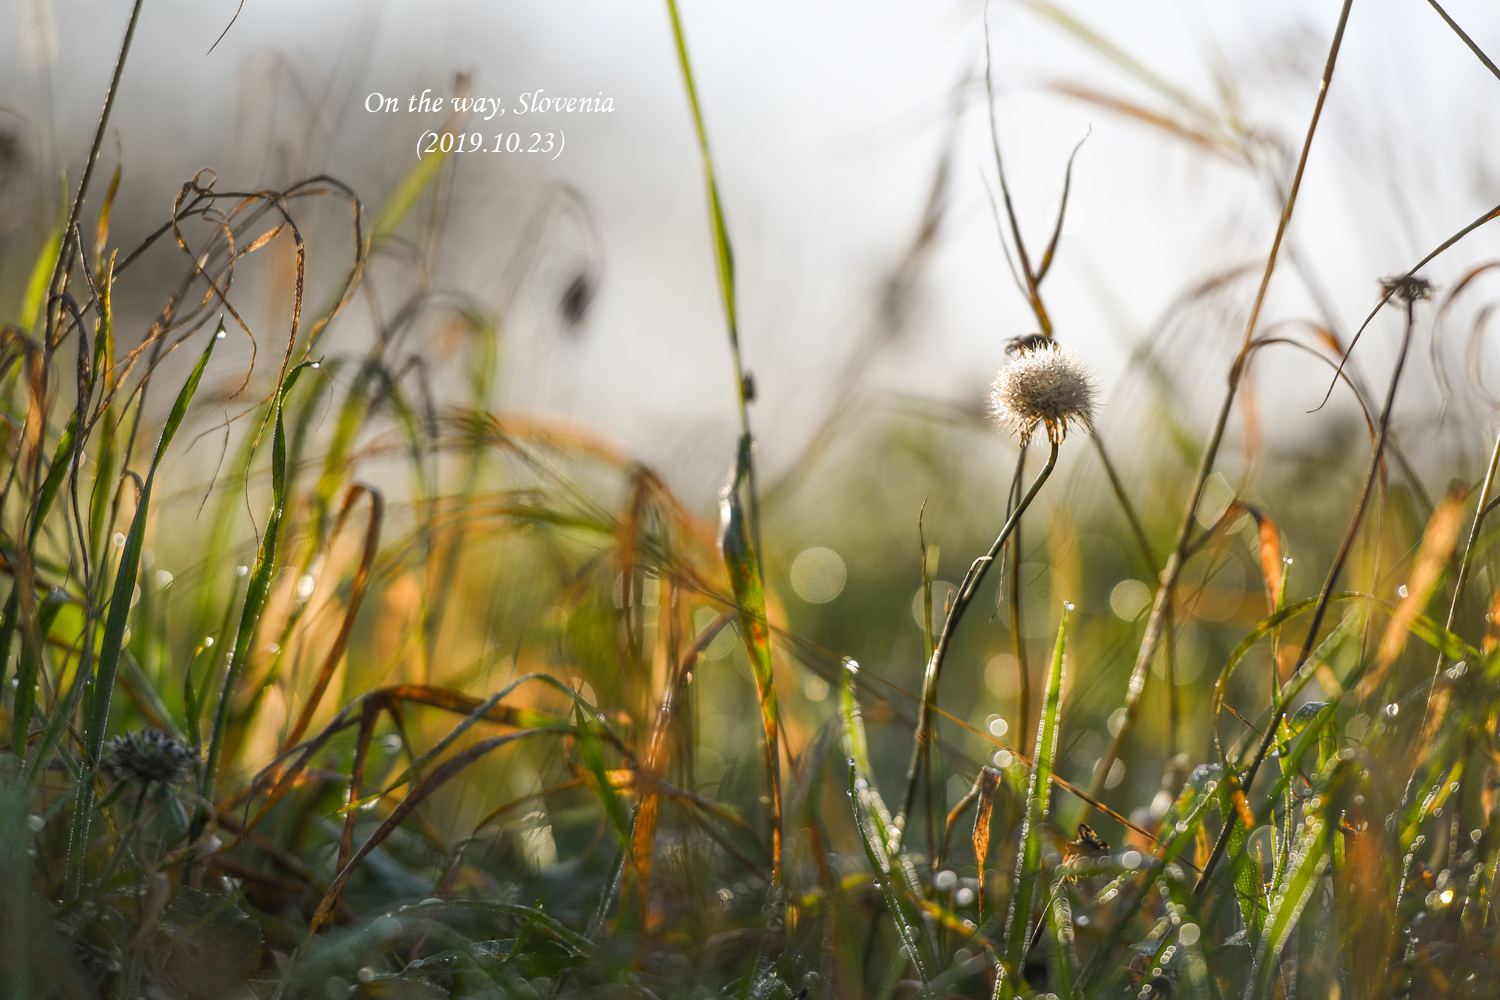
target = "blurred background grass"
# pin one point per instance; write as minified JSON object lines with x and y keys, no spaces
{"x":506,"y":461}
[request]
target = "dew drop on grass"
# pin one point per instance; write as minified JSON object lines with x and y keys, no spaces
{"x":1392,"y":710}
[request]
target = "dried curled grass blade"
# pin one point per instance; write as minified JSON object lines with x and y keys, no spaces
{"x":357,"y":590}
{"x":987,"y":785}
{"x":643,"y":831}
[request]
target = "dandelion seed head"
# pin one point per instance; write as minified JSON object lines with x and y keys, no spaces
{"x":149,"y":755}
{"x":1043,"y":384}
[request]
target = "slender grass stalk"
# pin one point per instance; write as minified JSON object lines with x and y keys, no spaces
{"x":961,"y":600}
{"x":256,"y":590}
{"x":1175,"y":560}
{"x":1321,"y":608}
{"x":1017,"y":640}
{"x":749,"y":575}
{"x":70,"y":245}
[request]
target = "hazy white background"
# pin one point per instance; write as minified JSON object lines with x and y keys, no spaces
{"x":827,"y":121}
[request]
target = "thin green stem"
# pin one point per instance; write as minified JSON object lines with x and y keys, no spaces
{"x":1324,"y":595}
{"x":1176,"y":559}
{"x":961,"y":600}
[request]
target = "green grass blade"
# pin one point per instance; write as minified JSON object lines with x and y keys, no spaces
{"x":1065,"y":952}
{"x":750,"y":599}
{"x":881,"y":828}
{"x":1018,"y":927}
{"x":56,"y":473}
{"x":27,"y":671}
{"x":1309,"y":860}
{"x":592,"y":750}
{"x":256,"y":590}
{"x":857,"y":787}
{"x":400,"y":203}
{"x":41,"y":273}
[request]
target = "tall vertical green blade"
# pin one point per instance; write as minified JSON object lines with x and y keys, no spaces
{"x":258,"y":588}
{"x":1018,"y":926}
{"x":745,"y":579}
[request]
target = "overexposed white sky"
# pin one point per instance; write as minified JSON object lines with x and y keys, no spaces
{"x":827,"y":119}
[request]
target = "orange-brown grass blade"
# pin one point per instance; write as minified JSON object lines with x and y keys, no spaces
{"x":356,"y":597}
{"x":368,"y":716}
{"x":643,"y":831}
{"x":1204,"y":140}
{"x":988,"y":785}
{"x":1272,"y":571}
{"x":1437,"y":546}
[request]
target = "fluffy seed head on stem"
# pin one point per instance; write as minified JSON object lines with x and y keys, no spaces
{"x":1043,"y":384}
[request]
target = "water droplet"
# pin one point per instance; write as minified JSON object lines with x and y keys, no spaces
{"x":1392,"y":710}
{"x":220,"y":334}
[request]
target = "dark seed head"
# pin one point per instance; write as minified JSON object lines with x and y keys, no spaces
{"x":149,"y":755}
